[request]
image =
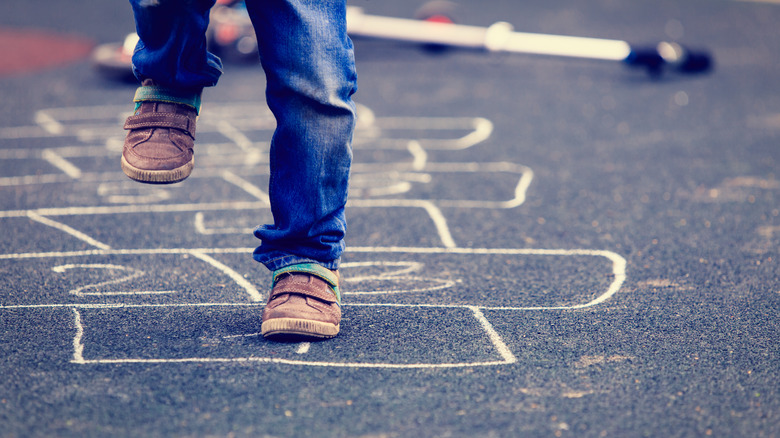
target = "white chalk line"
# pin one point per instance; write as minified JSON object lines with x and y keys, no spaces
{"x":233,"y":134}
{"x":251,"y":290}
{"x":87,"y":177}
{"x":121,"y":193}
{"x":48,"y":123}
{"x":495,"y":338}
{"x":139,"y":251}
{"x":419,"y":156}
{"x":280,"y":361}
{"x":62,"y":151}
{"x":234,"y":304}
{"x":78,"y":345}
{"x":403,"y":267}
{"x":61,"y":163}
{"x":396,"y":188}
{"x":66,"y":229}
{"x":246,"y":186}
{"x":439,"y":284}
{"x":200,"y":227}
{"x":107,"y":306}
{"x":383,"y":183}
{"x":92,"y":112}
{"x":130,"y":209}
{"x":359,"y":249}
{"x":124,"y":293}
{"x":58,"y":178}
{"x":441,"y":225}
{"x":480,"y":128}
{"x":303,"y":347}
{"x":23,"y":132}
{"x":134,"y":273}
{"x":247,"y":335}
{"x":253,"y":155}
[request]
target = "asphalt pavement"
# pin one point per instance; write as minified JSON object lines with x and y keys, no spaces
{"x":538,"y":246}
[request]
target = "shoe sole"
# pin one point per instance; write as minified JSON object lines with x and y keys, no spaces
{"x":158,"y":176}
{"x":299,"y":327}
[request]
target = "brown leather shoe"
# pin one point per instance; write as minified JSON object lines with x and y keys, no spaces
{"x":159,"y":145}
{"x":304,"y":302}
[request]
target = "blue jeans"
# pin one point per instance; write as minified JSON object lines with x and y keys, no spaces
{"x":310,"y":78}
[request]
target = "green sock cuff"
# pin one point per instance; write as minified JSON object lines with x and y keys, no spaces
{"x":156,"y":93}
{"x":318,"y":271}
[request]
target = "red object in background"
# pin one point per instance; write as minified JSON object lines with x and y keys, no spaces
{"x":26,"y":50}
{"x":439,"y":19}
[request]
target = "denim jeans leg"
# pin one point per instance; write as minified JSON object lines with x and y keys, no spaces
{"x":172,"y":44}
{"x":310,"y":73}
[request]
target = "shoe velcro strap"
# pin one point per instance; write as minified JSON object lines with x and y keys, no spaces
{"x":156,"y":93}
{"x":307,"y":289}
{"x":319,"y":271}
{"x":161,"y":120}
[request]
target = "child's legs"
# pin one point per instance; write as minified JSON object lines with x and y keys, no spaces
{"x":310,"y":73}
{"x":172,"y":47}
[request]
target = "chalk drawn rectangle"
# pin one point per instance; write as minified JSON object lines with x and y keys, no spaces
{"x":512,"y":279}
{"x":124,"y":280}
{"x":378,"y":337}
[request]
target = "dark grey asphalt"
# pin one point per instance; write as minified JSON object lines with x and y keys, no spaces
{"x":466,"y":316}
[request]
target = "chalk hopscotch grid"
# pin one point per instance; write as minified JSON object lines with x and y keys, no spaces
{"x":66,"y":122}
